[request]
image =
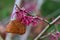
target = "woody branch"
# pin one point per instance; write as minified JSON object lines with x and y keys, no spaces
{"x":55,"y":20}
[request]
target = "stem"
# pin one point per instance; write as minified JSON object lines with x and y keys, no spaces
{"x":47,"y":27}
{"x":44,"y":20}
{"x":9,"y":35}
{"x":52,"y":31}
{"x":45,"y":36}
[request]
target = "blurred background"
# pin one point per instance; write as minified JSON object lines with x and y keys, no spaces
{"x":50,"y":9}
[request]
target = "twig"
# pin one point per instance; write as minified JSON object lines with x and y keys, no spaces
{"x":20,"y":8}
{"x":45,"y":36}
{"x":47,"y":27}
{"x":32,"y":15}
{"x":52,"y":31}
{"x":44,"y":20}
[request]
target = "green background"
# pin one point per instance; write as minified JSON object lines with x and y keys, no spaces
{"x":50,"y":9}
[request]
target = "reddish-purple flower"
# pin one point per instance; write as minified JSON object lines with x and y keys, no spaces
{"x":24,"y":16}
{"x":53,"y":37}
{"x":57,"y":34}
{"x":26,"y":19}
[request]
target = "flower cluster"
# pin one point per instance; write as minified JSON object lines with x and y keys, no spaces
{"x":26,"y":18}
{"x":55,"y":36}
{"x":24,"y":15}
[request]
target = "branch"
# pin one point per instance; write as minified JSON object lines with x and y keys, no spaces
{"x":52,"y":31}
{"x":9,"y":35}
{"x":47,"y":27}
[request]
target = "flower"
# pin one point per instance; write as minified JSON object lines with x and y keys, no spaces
{"x":57,"y":34}
{"x":26,"y":19}
{"x":24,"y":16}
{"x":53,"y":37}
